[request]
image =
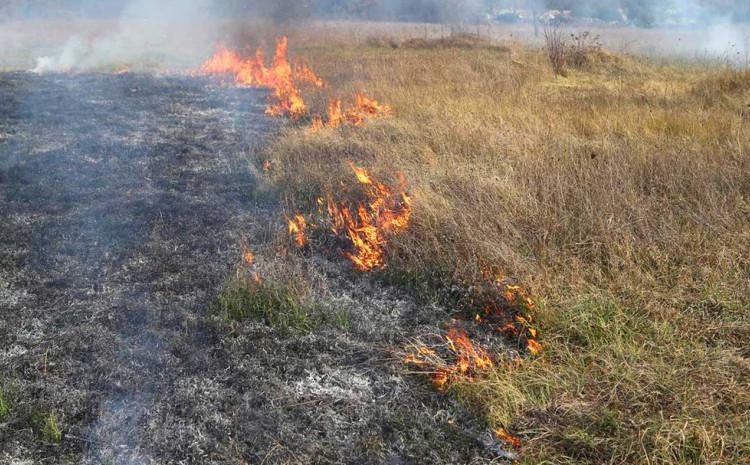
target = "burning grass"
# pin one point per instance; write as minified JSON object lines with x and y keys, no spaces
{"x":618,"y":194}
{"x":280,"y":77}
{"x":384,"y":213}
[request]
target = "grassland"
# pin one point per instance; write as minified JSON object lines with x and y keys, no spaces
{"x":618,"y":194}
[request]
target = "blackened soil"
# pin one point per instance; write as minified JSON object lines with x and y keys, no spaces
{"x":123,"y":201}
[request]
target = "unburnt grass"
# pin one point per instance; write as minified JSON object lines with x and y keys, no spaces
{"x":617,"y":194}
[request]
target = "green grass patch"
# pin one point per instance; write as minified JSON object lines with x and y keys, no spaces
{"x":615,"y":386}
{"x":4,"y":408}
{"x":47,"y":426}
{"x":276,"y":304}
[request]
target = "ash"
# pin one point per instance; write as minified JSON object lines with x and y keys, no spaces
{"x":124,"y":200}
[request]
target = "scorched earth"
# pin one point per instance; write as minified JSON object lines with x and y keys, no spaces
{"x":126,"y":200}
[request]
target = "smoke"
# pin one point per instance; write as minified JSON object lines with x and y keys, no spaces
{"x":147,"y":34}
{"x":175,"y":34}
{"x":721,"y":34}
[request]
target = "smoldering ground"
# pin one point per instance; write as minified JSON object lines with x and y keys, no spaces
{"x":126,"y":200}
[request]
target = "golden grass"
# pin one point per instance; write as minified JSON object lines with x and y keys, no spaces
{"x":619,"y":194}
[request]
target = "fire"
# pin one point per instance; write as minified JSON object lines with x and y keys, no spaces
{"x":381,"y":215}
{"x":504,"y":435}
{"x":297,"y":227}
{"x":284,"y":79}
{"x":355,"y":113}
{"x":248,"y":256}
{"x":317,"y":123}
{"x":463,"y":361}
{"x":224,"y":61}
{"x":335,"y":115}
{"x":492,"y":306}
{"x":369,"y":106}
{"x":303,"y":73}
{"x":279,"y":77}
{"x":266,"y":165}
{"x":533,"y":346}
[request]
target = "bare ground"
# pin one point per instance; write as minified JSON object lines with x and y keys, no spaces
{"x":124,"y":200}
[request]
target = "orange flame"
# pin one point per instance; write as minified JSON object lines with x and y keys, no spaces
{"x":504,"y":435}
{"x":303,"y":73}
{"x":383,"y":214}
{"x":253,"y":72}
{"x":468,"y":360}
{"x":297,"y":226}
{"x":248,"y":257}
{"x":335,"y":115}
{"x":504,"y":309}
{"x":355,"y":114}
{"x":370,"y":107}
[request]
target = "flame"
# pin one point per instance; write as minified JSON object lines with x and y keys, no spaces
{"x":317,"y":124}
{"x":253,"y":72}
{"x":335,"y":115}
{"x":355,"y":114}
{"x":503,"y":308}
{"x":370,"y":107}
{"x":224,"y":61}
{"x":297,"y":226}
{"x":383,"y":214}
{"x":266,"y":165}
{"x":463,"y":363}
{"x":248,"y":256}
{"x":303,"y":73}
{"x":533,"y":346}
{"x":504,"y":435}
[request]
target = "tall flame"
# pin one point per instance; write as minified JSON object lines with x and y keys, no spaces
{"x":280,"y":77}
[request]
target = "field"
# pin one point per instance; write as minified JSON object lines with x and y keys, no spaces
{"x":158,"y":311}
{"x":617,"y":193}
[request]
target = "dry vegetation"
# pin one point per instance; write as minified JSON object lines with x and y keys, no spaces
{"x":619,"y":194}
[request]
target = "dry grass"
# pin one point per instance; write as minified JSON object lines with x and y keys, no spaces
{"x":618,"y":194}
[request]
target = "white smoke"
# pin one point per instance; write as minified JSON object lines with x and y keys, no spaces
{"x":149,"y":33}
{"x":719,"y":35}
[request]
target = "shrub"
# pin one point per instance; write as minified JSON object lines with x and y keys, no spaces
{"x":555,"y":47}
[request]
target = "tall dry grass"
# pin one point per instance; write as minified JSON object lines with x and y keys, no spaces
{"x":619,"y":194}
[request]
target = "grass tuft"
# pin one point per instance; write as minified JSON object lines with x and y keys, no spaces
{"x":4,"y":408}
{"x":275,"y":304}
{"x":47,"y":426}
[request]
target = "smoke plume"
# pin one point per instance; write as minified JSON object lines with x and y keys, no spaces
{"x":146,"y":34}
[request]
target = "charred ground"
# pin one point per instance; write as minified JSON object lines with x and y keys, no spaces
{"x":125,"y":203}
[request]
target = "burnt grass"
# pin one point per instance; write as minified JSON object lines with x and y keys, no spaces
{"x":124,"y":201}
